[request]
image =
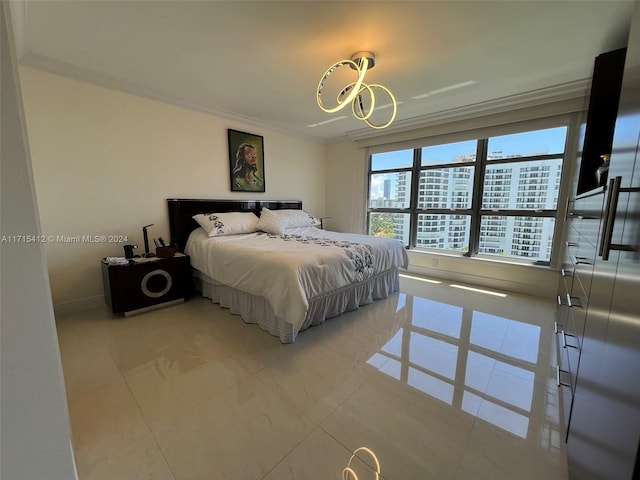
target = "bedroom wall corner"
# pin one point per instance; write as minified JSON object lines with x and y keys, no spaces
{"x":346,"y":187}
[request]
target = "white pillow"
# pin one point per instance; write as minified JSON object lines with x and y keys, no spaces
{"x":229,"y":223}
{"x":298,"y":218}
{"x":271,"y":223}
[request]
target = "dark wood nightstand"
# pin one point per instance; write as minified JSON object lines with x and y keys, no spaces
{"x":146,"y":283}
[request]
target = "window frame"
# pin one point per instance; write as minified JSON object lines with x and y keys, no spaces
{"x":481,"y":162}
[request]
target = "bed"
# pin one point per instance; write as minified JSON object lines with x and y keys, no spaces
{"x":282,"y":273}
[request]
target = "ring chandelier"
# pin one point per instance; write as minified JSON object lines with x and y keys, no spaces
{"x":355,"y":93}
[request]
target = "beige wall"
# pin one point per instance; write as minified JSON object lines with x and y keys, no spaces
{"x":105,"y":162}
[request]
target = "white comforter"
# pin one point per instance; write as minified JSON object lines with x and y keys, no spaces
{"x":292,"y":269}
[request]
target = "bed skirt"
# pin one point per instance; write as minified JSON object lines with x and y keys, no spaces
{"x":254,"y":309}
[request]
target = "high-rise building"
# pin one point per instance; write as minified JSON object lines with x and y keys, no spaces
{"x":387,"y":189}
{"x":532,"y":185}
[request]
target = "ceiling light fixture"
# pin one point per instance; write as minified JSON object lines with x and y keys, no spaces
{"x":360,"y":95}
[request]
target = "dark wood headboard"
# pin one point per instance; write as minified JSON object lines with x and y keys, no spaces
{"x":181,"y":211}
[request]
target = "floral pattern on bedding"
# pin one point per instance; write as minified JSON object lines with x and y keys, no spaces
{"x":359,"y":254}
{"x":218,"y":225}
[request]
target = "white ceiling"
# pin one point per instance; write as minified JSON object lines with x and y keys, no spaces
{"x":261,"y":61}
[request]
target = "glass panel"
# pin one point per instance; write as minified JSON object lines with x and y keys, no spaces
{"x":446,"y":188}
{"x":449,"y":153}
{"x":444,"y":232}
{"x":390,"y":225}
{"x":390,"y":160}
{"x":539,"y":142}
{"x":531,"y":185}
{"x":517,"y":237}
{"x":390,"y":190}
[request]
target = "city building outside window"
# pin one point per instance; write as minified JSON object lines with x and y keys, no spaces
{"x":494,"y":196}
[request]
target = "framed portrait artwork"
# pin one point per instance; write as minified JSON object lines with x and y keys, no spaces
{"x":246,"y":161}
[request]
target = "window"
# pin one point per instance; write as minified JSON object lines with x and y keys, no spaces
{"x":495,"y":196}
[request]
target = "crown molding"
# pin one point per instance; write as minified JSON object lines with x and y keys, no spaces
{"x":572,"y":94}
{"x":67,"y":70}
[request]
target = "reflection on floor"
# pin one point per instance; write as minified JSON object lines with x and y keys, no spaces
{"x":438,"y":382}
{"x":483,"y":364}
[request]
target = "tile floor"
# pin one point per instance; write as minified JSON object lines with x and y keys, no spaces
{"x":440,"y":383}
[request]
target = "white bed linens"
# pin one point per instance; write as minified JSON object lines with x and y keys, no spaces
{"x":290,"y":270}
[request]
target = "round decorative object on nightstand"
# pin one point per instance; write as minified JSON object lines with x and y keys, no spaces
{"x":145,"y":280}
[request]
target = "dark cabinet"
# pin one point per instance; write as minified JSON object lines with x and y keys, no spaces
{"x":601,"y":117}
{"x":146,"y":283}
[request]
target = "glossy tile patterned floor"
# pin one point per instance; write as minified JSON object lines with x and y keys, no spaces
{"x":440,"y":383}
